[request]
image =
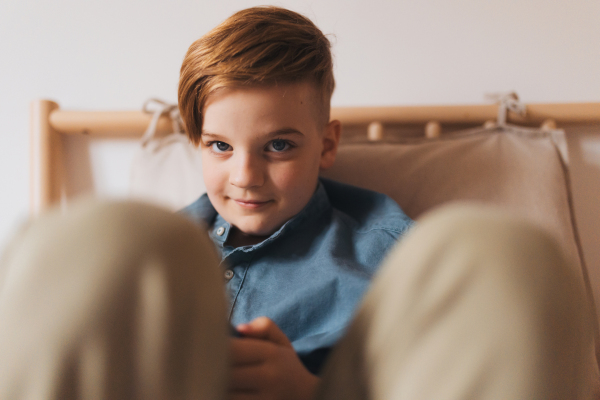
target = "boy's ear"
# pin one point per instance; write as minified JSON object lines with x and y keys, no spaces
{"x":331,"y":139}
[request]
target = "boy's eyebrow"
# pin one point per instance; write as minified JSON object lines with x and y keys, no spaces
{"x":214,"y":135}
{"x":282,"y":131}
{"x":286,"y":131}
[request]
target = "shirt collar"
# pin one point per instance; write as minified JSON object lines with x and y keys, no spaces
{"x":219,"y":228}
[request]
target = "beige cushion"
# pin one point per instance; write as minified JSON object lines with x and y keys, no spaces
{"x":167,"y":171}
{"x":517,"y":169}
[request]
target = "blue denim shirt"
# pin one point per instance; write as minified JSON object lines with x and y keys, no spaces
{"x":309,"y":275}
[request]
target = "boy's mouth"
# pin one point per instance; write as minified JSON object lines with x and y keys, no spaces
{"x":251,"y":204}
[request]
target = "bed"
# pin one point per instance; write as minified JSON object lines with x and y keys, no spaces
{"x":421,"y":156}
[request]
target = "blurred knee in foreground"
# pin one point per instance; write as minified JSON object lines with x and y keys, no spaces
{"x":112,"y":300}
{"x":473,"y":303}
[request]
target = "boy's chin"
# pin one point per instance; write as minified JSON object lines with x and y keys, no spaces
{"x":257,"y":232}
{"x":257,"y":229}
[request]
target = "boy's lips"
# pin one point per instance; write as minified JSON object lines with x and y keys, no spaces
{"x":252,"y":204}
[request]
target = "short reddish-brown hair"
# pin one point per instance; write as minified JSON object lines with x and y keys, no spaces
{"x":255,"y":46}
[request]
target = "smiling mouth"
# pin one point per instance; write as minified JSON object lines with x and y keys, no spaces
{"x":251,"y":204}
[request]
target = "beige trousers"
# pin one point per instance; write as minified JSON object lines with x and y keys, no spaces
{"x":125,"y":301}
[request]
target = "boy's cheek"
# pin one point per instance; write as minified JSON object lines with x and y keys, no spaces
{"x":214,"y":179}
{"x":299,"y":175}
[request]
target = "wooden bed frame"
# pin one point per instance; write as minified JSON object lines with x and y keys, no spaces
{"x":49,"y":122}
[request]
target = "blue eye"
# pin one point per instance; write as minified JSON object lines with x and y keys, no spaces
{"x":220,"y":147}
{"x":278,"y":145}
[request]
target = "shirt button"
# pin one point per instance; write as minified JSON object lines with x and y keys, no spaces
{"x":228,"y":274}
{"x":220,"y":231}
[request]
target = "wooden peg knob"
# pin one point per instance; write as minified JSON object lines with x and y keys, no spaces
{"x":375,"y":131}
{"x":548,"y":125}
{"x":489,"y":124}
{"x":433,"y":130}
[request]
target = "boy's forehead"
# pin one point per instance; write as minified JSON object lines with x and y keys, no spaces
{"x":267,"y":107}
{"x":303,"y":91}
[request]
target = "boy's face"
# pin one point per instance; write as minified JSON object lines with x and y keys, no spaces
{"x":262,"y":149}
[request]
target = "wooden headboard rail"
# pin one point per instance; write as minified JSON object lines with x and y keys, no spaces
{"x":49,"y":122}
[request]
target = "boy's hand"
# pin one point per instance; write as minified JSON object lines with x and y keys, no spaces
{"x":265,"y":365}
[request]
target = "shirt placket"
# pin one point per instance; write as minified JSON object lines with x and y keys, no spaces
{"x":235,"y":267}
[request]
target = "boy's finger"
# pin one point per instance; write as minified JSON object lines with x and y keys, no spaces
{"x":264,"y":328}
{"x":249,"y":351}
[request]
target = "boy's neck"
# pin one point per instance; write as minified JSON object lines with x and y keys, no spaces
{"x":238,"y":238}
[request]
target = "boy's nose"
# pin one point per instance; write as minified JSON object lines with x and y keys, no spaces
{"x":247,"y":172}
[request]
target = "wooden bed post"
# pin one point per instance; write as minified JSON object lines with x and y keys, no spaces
{"x":46,"y":155}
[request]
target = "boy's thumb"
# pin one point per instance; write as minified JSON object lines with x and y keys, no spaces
{"x":264,"y":328}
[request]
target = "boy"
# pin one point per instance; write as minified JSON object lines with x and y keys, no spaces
{"x":298,"y":253}
{"x":255,"y":96}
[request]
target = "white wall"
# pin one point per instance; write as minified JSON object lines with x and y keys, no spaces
{"x":113,"y":54}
